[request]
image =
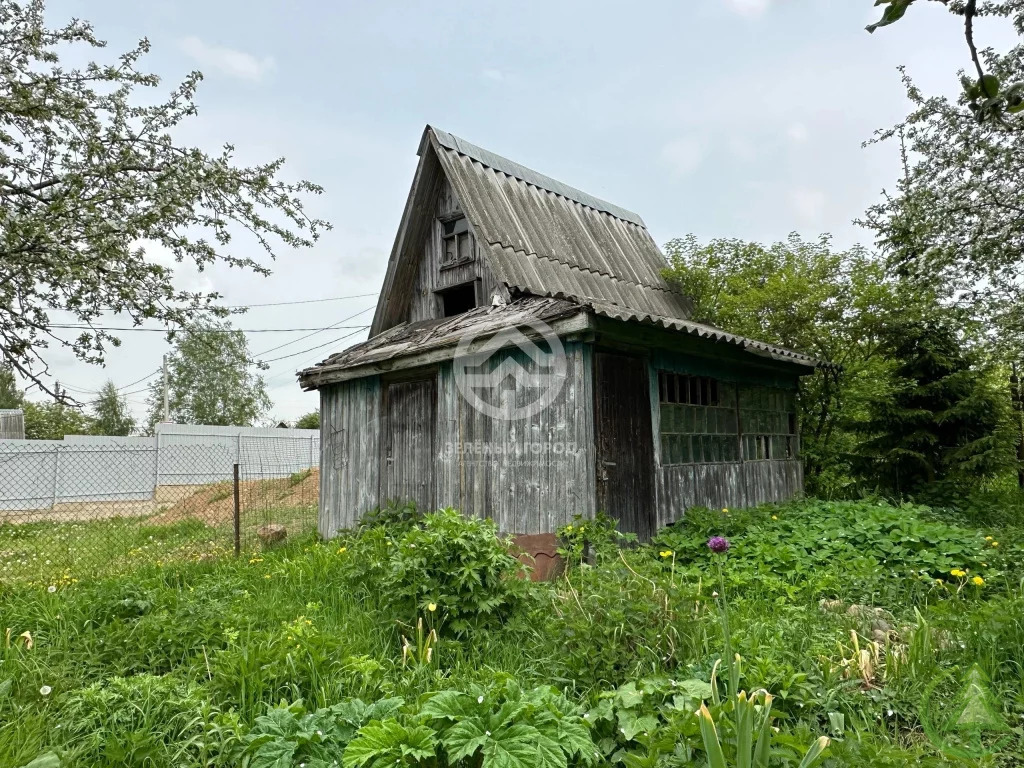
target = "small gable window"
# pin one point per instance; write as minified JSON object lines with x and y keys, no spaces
{"x":456,"y":241}
{"x":458,"y":299}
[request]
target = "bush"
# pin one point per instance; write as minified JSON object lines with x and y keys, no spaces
{"x":455,"y":569}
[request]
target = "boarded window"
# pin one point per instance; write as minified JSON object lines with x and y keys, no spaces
{"x":456,"y":241}
{"x":698,"y":419}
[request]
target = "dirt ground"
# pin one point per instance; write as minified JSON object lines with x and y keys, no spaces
{"x":215,"y":505}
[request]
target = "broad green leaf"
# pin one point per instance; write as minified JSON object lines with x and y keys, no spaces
{"x":450,"y":705}
{"x":894,"y":10}
{"x":696,"y":689}
{"x":630,"y":725}
{"x":464,"y":738}
{"x":274,"y":754}
{"x":49,"y":760}
{"x":628,"y":696}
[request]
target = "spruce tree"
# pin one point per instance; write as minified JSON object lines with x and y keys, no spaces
{"x":940,"y":419}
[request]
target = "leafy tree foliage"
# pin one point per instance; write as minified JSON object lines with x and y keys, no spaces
{"x":309,"y":420}
{"x":53,"y":420}
{"x":110,"y":413}
{"x":991,"y":96}
{"x":803,"y":295}
{"x":91,"y":183}
{"x":938,"y":418}
{"x":10,"y":395}
{"x":210,"y":379}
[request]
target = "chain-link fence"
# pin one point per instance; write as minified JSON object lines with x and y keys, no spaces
{"x":88,"y":508}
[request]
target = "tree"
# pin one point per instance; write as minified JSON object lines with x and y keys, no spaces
{"x":54,"y":420}
{"x":210,"y":379}
{"x":10,"y":395}
{"x":310,"y":420}
{"x":803,"y":295}
{"x":939,"y":418}
{"x":110,"y":413}
{"x":989,"y":96}
{"x":91,"y":182}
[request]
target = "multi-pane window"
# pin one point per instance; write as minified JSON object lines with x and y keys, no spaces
{"x":707,"y":420}
{"x":457,"y":243}
{"x":768,"y":417}
{"x":698,"y":419}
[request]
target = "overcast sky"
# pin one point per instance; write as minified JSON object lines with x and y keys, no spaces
{"x":724,"y":118}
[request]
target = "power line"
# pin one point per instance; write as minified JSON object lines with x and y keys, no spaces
{"x":204,"y":330}
{"x":305,"y":301}
{"x":302,"y":338}
{"x":304,"y":351}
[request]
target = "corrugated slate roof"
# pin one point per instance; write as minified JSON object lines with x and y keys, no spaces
{"x":544,"y":238}
{"x":409,"y":340}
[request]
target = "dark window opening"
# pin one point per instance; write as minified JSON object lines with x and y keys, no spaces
{"x":456,"y":242}
{"x":458,"y":299}
{"x":688,"y":390}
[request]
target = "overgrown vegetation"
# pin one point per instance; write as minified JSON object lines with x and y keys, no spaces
{"x":413,"y":642}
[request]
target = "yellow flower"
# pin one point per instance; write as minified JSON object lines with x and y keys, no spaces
{"x":432,"y":607}
{"x":725,"y":510}
{"x":775,"y":517}
{"x":568,"y":527}
{"x":958,"y":573}
{"x":988,"y":538}
{"x":666,"y":553}
{"x":977,"y":581}
{"x":342,"y":550}
{"x":995,"y":543}
{"x":266,"y":576}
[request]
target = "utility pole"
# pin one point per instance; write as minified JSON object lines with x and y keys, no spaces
{"x":167,"y":409}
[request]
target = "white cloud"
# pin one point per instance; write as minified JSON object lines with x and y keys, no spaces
{"x":751,"y":9}
{"x":494,"y":75}
{"x":684,"y":155}
{"x":228,"y":61}
{"x":807,"y":203}
{"x":797,"y":132}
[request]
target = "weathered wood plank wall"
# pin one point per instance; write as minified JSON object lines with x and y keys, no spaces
{"x":715,"y":485}
{"x":431,"y":277}
{"x":349,"y":452}
{"x":531,"y":475}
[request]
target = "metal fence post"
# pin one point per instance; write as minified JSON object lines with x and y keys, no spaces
{"x":156,"y":463}
{"x":238,"y":517}
{"x":56,"y":474}
{"x":311,"y":465}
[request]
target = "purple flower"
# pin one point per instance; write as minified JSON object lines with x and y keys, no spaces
{"x":718,"y":545}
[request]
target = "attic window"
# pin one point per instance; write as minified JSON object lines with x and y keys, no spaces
{"x":458,"y":299}
{"x":457,"y":243}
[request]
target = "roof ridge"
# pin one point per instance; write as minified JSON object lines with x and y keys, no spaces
{"x":529,"y":176}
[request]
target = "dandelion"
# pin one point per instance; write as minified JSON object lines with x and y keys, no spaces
{"x":45,"y":690}
{"x":51,"y":589}
{"x":431,"y":607}
{"x":266,"y":576}
{"x":718,"y":544}
{"x":666,"y":553}
{"x":725,"y":510}
{"x":775,"y":517}
{"x":342,"y":550}
{"x":958,"y":573}
{"x":995,"y":543}
{"x":977,"y":581}
{"x":988,"y":538}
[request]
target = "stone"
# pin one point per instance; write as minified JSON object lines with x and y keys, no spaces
{"x":271,"y":534}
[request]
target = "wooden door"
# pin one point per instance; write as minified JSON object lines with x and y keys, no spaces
{"x":625,"y":443}
{"x":407,"y":444}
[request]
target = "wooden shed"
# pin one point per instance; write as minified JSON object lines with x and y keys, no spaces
{"x":528,"y":362}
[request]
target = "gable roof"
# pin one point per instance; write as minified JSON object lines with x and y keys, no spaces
{"x":537,"y":235}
